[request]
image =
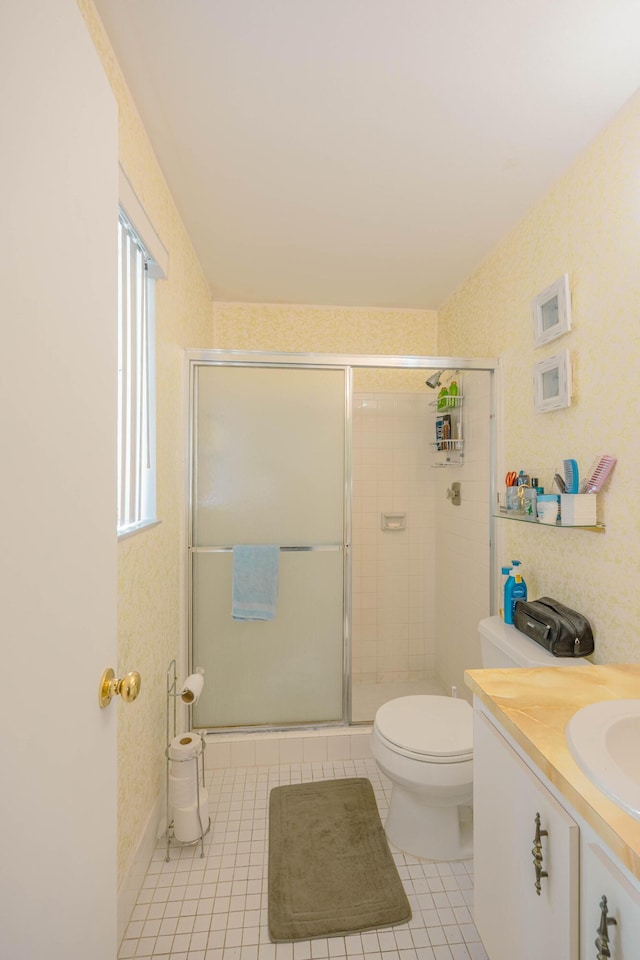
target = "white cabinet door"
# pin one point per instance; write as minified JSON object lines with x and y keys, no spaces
{"x":517,"y":918}
{"x":602,"y":878}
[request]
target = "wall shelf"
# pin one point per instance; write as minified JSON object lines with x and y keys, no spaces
{"x":522,"y":518}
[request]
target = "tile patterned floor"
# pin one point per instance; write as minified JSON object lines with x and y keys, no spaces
{"x":215,"y":908}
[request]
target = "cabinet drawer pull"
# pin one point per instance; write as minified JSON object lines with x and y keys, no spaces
{"x":537,"y":854}
{"x":602,"y":940}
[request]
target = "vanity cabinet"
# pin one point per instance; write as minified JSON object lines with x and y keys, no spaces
{"x":601,"y":877}
{"x":526,"y":857}
{"x":567,"y":860}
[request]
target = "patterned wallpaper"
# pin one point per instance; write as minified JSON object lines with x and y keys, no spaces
{"x":303,"y":328}
{"x":316,"y":329}
{"x":588,"y":226}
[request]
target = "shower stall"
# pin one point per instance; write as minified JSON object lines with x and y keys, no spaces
{"x":330,"y":458}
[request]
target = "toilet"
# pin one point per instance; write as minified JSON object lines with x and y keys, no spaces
{"x":424,"y":745}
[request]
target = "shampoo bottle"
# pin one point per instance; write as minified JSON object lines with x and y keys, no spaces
{"x":515,"y":589}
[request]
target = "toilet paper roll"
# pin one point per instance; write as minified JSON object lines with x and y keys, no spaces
{"x":185,"y":746}
{"x":183,"y":749}
{"x":184,"y":770}
{"x":192,"y":688}
{"x":187,"y":824}
{"x":183,"y":791}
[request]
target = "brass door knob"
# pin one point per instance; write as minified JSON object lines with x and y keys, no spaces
{"x":128,"y":687}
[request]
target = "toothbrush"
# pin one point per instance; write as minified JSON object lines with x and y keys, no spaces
{"x":600,"y":470}
{"x":571,"y":476}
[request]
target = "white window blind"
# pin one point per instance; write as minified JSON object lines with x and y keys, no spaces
{"x":136,"y":384}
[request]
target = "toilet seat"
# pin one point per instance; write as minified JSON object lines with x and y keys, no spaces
{"x":430,"y":729}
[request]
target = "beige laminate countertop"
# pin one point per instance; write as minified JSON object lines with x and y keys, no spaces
{"x":534,"y":706}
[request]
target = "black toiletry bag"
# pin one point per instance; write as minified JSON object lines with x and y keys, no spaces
{"x":560,"y":630}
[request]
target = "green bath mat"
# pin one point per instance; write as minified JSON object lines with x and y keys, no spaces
{"x":331,"y":872}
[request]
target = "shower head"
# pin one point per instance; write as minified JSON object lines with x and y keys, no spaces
{"x":434,"y":380}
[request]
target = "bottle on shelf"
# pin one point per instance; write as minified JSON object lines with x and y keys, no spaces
{"x":514,"y":589}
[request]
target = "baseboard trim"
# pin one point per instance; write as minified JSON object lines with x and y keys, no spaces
{"x":138,"y":867}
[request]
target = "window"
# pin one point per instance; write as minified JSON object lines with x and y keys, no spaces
{"x":136,"y":383}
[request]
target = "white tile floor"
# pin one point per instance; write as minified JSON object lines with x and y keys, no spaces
{"x":215,"y":908}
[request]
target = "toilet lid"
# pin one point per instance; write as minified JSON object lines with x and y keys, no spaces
{"x":428,"y":725}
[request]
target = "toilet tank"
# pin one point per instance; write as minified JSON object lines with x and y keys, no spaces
{"x":501,"y":645}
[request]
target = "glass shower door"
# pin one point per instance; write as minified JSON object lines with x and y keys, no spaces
{"x":269,"y":468}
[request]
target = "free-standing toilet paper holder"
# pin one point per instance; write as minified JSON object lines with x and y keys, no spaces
{"x":186,"y":695}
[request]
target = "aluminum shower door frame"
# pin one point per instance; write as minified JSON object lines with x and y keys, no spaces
{"x":348,"y":363}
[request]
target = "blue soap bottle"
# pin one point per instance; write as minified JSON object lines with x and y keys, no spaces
{"x":514,"y":589}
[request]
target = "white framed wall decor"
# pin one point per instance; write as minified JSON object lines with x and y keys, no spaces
{"x":552,"y":383}
{"x":552,"y":312}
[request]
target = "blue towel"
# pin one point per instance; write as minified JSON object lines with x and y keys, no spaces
{"x":255,"y":582}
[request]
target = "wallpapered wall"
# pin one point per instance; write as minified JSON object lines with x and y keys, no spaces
{"x":588,"y":226}
{"x":316,"y":329}
{"x":150,"y":564}
{"x":303,"y":328}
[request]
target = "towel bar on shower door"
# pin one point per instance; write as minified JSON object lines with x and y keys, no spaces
{"x":292,"y":549}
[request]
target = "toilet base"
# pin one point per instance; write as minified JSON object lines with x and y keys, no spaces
{"x":428,"y":832}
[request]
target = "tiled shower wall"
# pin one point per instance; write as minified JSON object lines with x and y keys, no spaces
{"x":462,"y":538}
{"x":393,"y":582}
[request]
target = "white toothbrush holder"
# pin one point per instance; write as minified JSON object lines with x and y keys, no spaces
{"x":578,"y":509}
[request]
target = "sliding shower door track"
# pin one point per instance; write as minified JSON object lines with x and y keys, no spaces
{"x":287,"y":728}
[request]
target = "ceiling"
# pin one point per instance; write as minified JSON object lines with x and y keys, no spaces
{"x":366,"y":152}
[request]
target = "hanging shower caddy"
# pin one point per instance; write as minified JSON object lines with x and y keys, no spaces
{"x":172,"y":694}
{"x":448,"y":443}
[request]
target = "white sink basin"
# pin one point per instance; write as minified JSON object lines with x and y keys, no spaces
{"x":604,"y":740}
